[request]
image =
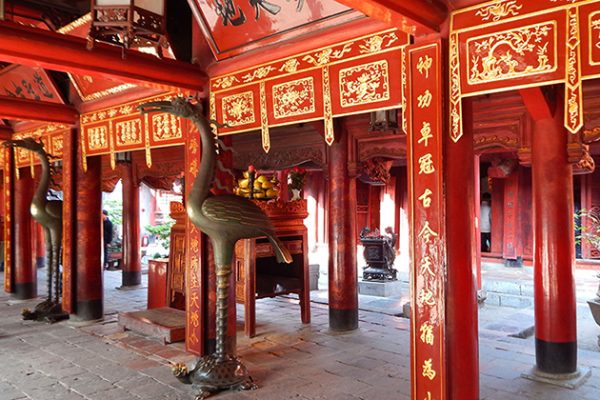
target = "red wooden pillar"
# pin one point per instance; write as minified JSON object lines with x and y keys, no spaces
{"x":89,"y":295}
{"x":554,"y":249}
{"x":462,"y":339}
{"x":343,"y":285}
{"x":374,"y":212}
{"x":40,"y":246}
{"x":132,"y":263}
{"x":69,"y":261}
{"x":512,"y":251}
{"x":477,"y":227}
{"x":497,"y":216}
{"x":25,"y":271}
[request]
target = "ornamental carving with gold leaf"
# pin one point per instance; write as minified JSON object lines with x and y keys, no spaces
{"x":509,"y":54}
{"x":165,"y":127}
{"x":363,"y":84}
{"x":97,"y":138}
{"x":499,"y":10}
{"x":294,"y":98}
{"x":57,"y":145}
{"x":238,"y":109}
{"x":129,"y":132}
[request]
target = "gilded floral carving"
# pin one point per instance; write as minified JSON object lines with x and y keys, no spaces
{"x":258,"y":73}
{"x":375,"y":43}
{"x":290,"y":65}
{"x":326,"y":55}
{"x":363,"y":84}
{"x":499,"y":10}
{"x":225,"y":82}
{"x":293,"y":98}
{"x":509,"y":54}
{"x":238,"y":109}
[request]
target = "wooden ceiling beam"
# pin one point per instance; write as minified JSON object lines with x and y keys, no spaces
{"x":31,"y":110}
{"x":416,"y":17}
{"x":5,"y":133}
{"x":34,"y":47}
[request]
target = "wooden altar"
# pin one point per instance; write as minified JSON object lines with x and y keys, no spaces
{"x":258,"y":275}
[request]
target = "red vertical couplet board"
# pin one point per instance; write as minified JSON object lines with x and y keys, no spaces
{"x":8,"y":178}
{"x":424,"y":100}
{"x":194,"y":327}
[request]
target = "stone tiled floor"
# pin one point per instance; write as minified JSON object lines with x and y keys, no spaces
{"x":288,"y":360}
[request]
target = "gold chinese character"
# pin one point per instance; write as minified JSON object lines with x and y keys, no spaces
{"x":426,"y":266}
{"x":428,"y":396}
{"x":425,"y":199}
{"x":425,"y":99}
{"x":424,"y":64}
{"x":425,"y":133}
{"x":428,"y":371}
{"x":425,"y":296}
{"x":426,"y":164}
{"x":426,"y":232}
{"x":427,"y":333}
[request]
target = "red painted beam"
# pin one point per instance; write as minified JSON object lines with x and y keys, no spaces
{"x":412,"y":16}
{"x":24,"y":109}
{"x":5,"y":133}
{"x":536,"y":103}
{"x":34,"y":47}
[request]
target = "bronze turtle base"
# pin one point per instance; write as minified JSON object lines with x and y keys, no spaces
{"x":46,"y":311}
{"x":213,"y":374}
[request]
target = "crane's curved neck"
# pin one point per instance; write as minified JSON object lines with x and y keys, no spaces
{"x":202,"y":183}
{"x":39,"y":197}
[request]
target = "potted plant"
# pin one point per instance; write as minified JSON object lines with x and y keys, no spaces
{"x":296,"y":179}
{"x":590,"y":233}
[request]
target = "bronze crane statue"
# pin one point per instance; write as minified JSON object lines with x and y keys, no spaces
{"x":225,"y":219}
{"x":49,"y":214}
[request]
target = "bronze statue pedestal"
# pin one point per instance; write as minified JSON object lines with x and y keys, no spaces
{"x":213,"y":374}
{"x":46,"y":311}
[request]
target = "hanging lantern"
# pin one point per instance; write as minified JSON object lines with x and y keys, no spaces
{"x":129,"y":24}
{"x":384,"y":120}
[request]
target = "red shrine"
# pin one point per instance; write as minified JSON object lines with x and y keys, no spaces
{"x":403,"y":113}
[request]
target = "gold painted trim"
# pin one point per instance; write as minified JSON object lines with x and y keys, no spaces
{"x":212,"y":105}
{"x":76,"y":24}
{"x":308,"y":84}
{"x":111,"y":146}
{"x":327,"y":113}
{"x":310,"y":69}
{"x":590,"y":39}
{"x":308,"y":53}
{"x":573,"y":111}
{"x":147,"y":141}
{"x":363,"y":90}
{"x":545,"y":11}
{"x":264,"y":120}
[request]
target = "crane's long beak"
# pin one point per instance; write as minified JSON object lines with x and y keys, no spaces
{"x":155,"y":106}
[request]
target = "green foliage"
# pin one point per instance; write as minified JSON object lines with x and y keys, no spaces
{"x":115,"y":211}
{"x":162,"y":232}
{"x":589,"y":221}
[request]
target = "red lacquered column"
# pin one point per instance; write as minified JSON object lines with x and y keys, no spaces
{"x":40,"y":246}
{"x":89,"y":244}
{"x":343,"y":285}
{"x":462,"y":341}
{"x":554,"y":256}
{"x":25,"y":271}
{"x":132,"y":264}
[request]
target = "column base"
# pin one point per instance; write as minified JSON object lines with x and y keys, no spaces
{"x":570,"y":380}
{"x":132,"y":278}
{"x":555,"y":357}
{"x":89,"y":310}
{"x":343,"y":320}
{"x":24,"y":291}
{"x":40,"y":262}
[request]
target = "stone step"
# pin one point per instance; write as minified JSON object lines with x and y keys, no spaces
{"x":166,"y":324}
